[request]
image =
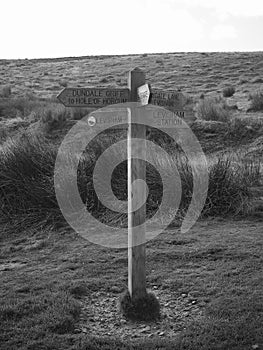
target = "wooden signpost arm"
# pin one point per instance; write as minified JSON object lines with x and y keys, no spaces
{"x":136,"y":170}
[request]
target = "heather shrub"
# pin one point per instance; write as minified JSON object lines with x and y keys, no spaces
{"x":229,"y":91}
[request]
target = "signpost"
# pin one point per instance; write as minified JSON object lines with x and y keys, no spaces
{"x":136,"y":194}
{"x":101,"y":97}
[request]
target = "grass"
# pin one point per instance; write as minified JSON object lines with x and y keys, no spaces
{"x":26,"y":177}
{"x":212,"y":109}
{"x":11,"y":107}
{"x":252,"y":171}
{"x":257,"y":80}
{"x":39,"y":315}
{"x":53,"y":117}
{"x":27,"y":191}
{"x":219,"y":264}
{"x":31,"y":107}
{"x":228,"y":191}
{"x":256,"y":102}
{"x":56,"y":312}
{"x":5,"y":91}
{"x":241,"y":130}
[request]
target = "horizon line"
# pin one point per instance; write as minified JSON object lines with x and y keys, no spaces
{"x":130,"y":54}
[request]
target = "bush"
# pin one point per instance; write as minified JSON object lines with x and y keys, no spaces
{"x":229,"y":91}
{"x":210,"y":109}
{"x":256,"y":101}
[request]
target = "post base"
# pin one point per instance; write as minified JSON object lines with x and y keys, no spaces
{"x":146,"y":308}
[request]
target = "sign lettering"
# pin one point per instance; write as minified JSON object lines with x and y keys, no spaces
{"x":93,"y":97}
{"x":169,"y":99}
{"x":113,"y":117}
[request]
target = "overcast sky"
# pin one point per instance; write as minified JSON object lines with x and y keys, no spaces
{"x":56,"y":28}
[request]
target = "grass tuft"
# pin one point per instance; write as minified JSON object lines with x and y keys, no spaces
{"x":5,"y":91}
{"x":211,"y":109}
{"x":78,"y":289}
{"x":256,"y":102}
{"x":26,"y":177}
{"x":238,"y":129}
{"x":228,"y":191}
{"x":53,"y":117}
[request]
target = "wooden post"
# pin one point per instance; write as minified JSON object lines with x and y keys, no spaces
{"x":136,"y":170}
